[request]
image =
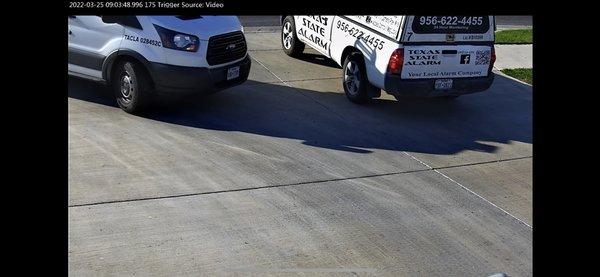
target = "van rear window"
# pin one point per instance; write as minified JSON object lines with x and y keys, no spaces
{"x":449,"y":24}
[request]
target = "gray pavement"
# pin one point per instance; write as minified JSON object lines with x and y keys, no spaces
{"x":284,"y":176}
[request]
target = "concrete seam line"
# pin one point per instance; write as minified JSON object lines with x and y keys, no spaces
{"x":467,"y":189}
{"x":483,"y":198}
{"x":261,"y":64}
{"x":291,"y":184}
{"x":299,"y":91}
{"x":314,"y":79}
{"x":259,"y":50}
{"x":249,"y":188}
{"x":261,"y":32}
{"x":514,"y":43}
{"x":480,"y":163}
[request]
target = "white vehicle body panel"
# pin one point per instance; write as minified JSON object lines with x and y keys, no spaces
{"x":145,"y":42}
{"x":376,"y":53}
{"x":85,"y":71}
{"x":88,"y":33}
{"x":315,"y":31}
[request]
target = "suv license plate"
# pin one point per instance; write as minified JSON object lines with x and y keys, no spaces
{"x":233,"y":73}
{"x":443,"y":84}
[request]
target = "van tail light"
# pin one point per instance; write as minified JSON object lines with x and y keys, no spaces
{"x":396,"y":61}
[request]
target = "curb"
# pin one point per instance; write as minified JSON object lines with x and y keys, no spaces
{"x":523,"y":43}
{"x":512,"y":27}
{"x":498,"y":72}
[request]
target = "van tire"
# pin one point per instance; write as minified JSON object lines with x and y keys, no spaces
{"x":130,"y":84}
{"x":354,"y":70}
{"x":295,"y":47}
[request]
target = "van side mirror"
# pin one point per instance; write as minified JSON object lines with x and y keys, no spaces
{"x":124,"y":20}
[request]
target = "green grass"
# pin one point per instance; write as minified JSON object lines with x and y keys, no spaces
{"x":523,"y":74}
{"x":517,"y":36}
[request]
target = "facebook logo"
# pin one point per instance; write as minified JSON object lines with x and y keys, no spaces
{"x":465,"y":58}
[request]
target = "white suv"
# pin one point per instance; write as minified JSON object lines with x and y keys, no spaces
{"x":426,"y":56}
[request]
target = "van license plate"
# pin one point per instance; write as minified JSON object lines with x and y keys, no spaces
{"x":443,"y":84}
{"x":233,"y":73}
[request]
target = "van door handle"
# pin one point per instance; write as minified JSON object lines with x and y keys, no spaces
{"x":70,"y":32}
{"x":447,"y":52}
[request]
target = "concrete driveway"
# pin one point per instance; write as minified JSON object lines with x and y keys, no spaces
{"x":284,"y":176}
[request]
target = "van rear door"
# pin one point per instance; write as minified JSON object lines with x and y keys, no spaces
{"x":447,"y":46}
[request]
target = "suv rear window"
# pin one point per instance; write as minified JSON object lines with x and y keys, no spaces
{"x":449,"y":24}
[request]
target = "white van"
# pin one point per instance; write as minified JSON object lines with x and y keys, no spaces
{"x":169,"y":55}
{"x":427,"y":56}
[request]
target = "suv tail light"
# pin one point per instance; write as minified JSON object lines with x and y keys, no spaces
{"x":492,"y":59}
{"x":396,"y":61}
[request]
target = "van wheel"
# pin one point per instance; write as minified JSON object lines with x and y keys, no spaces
{"x":292,"y":46}
{"x":355,"y":82}
{"x":130,"y":85}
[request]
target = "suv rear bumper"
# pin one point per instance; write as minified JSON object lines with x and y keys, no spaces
{"x":425,"y":87}
{"x":182,"y":80}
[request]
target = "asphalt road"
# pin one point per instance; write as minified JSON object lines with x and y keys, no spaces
{"x":284,"y":176}
{"x":502,"y":21}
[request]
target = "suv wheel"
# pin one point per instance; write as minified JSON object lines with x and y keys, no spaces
{"x":292,"y":46}
{"x":355,"y":82}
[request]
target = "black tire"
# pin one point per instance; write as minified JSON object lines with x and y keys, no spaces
{"x":361,"y":92}
{"x":130,"y":85}
{"x":295,"y":47}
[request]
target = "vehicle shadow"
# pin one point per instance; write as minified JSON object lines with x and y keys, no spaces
{"x":82,"y":89}
{"x":328,"y":120}
{"x":318,"y":59}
